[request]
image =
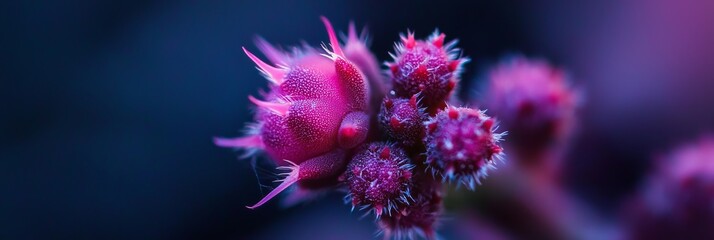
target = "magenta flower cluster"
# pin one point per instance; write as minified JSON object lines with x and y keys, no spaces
{"x":333,"y":118}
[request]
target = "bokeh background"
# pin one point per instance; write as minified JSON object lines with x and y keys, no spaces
{"x":108,"y":107}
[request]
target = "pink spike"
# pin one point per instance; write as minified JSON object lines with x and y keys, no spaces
{"x":395,"y":123}
{"x":290,"y":179}
{"x":333,"y":37}
{"x":409,"y":42}
{"x":394,"y":68}
{"x":385,"y":153}
{"x":352,"y":33}
{"x":413,"y":101}
{"x":250,"y":141}
{"x":488,"y":124}
{"x":279,"y":108}
{"x":439,"y":40}
{"x":453,"y":113}
{"x":453,"y":65}
{"x":276,"y":75}
{"x":378,"y":210}
{"x":388,"y":103}
{"x":274,"y":55}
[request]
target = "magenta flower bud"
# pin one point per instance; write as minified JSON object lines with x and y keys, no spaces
{"x":462,"y":145}
{"x":379,"y":176}
{"x":429,"y":67}
{"x":403,"y":120}
{"x":533,"y":100}
{"x":676,"y":200}
{"x":317,"y":106}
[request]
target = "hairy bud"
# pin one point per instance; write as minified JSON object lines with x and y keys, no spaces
{"x":379,"y":176}
{"x":430,"y":67}
{"x":462,"y":144}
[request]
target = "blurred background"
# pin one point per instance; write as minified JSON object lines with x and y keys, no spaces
{"x":108,"y":107}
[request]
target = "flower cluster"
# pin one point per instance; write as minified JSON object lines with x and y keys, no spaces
{"x":332,"y":119}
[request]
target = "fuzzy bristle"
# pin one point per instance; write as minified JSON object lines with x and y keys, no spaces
{"x":334,"y":43}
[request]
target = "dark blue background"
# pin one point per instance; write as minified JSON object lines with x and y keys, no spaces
{"x":109,"y":107}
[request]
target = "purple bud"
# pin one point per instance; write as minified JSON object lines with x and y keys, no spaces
{"x":379,"y":176}
{"x":429,"y":67}
{"x":462,"y":145}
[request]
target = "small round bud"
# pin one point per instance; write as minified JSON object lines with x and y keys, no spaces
{"x":379,"y":176}
{"x":428,"y":67}
{"x":461,"y":144}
